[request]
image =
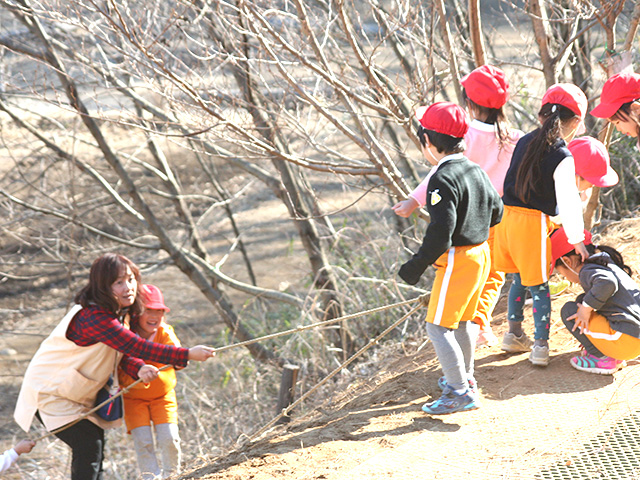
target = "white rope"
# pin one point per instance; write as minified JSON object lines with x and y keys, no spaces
{"x":424,"y":299}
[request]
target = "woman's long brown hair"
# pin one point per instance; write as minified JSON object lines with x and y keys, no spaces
{"x":104,"y":271}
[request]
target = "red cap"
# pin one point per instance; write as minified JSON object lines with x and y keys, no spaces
{"x":487,"y":86}
{"x":568,"y":95}
{"x":154,"y":298}
{"x":560,"y":245}
{"x":592,"y":161}
{"x":618,"y":90}
{"x":444,"y":117}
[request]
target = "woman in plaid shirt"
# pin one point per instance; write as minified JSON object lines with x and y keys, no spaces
{"x":75,"y":361}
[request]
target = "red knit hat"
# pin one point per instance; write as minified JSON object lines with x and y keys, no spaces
{"x":618,"y":90}
{"x":568,"y":95}
{"x":592,"y":161}
{"x":154,"y":298}
{"x":444,"y":117}
{"x":487,"y":86}
{"x":560,"y":245}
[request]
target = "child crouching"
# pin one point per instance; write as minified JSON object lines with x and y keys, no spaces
{"x":605,"y":319}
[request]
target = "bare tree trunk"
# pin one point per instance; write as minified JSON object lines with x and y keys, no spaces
{"x":475,"y":31}
{"x":633,"y":28}
{"x":540,"y":22}
{"x":448,"y":43}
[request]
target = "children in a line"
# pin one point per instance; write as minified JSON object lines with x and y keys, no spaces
{"x":463,"y":205}
{"x":539,"y":184}
{"x":490,"y":142}
{"x":10,"y":456}
{"x":605,"y":319}
{"x":154,"y":402}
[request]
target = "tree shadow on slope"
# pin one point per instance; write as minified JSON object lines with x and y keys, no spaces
{"x":393,"y":405}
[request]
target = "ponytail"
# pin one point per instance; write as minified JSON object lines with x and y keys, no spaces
{"x":493,"y":116}
{"x":615,"y":255}
{"x":529,"y":171}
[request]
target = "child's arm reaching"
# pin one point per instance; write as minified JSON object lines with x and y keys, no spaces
{"x":405,"y":207}
{"x":9,"y":457}
{"x":417,"y":198}
{"x":24,"y":446}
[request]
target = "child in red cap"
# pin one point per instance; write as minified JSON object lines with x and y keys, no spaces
{"x":463,"y":205}
{"x":605,"y":319}
{"x":593,"y":168}
{"x":592,"y":164}
{"x":539,"y":184}
{"x":490,"y":142}
{"x":154,"y":402}
{"x":620,"y":103}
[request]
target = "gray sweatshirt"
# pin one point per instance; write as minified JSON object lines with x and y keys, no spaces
{"x":613,"y":294}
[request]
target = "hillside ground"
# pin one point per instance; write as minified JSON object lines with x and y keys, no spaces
{"x":553,"y":422}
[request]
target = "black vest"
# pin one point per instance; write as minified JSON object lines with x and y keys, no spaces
{"x":544,"y":198}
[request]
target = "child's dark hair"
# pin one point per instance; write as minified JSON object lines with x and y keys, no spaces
{"x":494,"y":116}
{"x":625,"y":113}
{"x":443,"y":143}
{"x":615,"y":255}
{"x":529,"y":171}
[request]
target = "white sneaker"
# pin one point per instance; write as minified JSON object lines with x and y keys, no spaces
{"x":513,"y":344}
{"x":539,"y":355}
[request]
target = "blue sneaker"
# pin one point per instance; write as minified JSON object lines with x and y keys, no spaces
{"x":473,"y":385}
{"x":449,"y":402}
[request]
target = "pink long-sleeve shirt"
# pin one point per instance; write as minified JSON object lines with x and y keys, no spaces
{"x":484,"y":149}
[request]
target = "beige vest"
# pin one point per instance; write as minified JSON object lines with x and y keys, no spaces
{"x":63,"y":379}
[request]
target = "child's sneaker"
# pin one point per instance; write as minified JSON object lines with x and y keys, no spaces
{"x":592,"y":364}
{"x":486,"y":337}
{"x":513,"y":344}
{"x":473,"y":385}
{"x":556,"y":288}
{"x":449,"y":402}
{"x":539,"y":355}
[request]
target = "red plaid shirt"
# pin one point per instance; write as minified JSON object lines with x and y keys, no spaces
{"x":95,"y":324}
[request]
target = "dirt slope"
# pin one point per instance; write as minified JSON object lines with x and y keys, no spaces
{"x":552,"y":422}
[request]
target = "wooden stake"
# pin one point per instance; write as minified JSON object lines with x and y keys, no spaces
{"x":287,"y":390}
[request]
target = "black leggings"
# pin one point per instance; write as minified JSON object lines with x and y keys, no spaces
{"x":86,"y":440}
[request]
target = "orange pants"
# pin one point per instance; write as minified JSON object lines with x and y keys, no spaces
{"x":610,"y":342}
{"x":140,"y":412}
{"x":461,"y":273}
{"x":491,"y":290}
{"x":522,"y":244}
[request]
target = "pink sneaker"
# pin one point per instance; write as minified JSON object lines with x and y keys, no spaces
{"x":592,"y":364}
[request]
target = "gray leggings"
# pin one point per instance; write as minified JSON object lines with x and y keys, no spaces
{"x":454,"y":348}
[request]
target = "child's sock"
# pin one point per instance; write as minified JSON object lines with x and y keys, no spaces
{"x":541,"y":342}
{"x":515,"y":328}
